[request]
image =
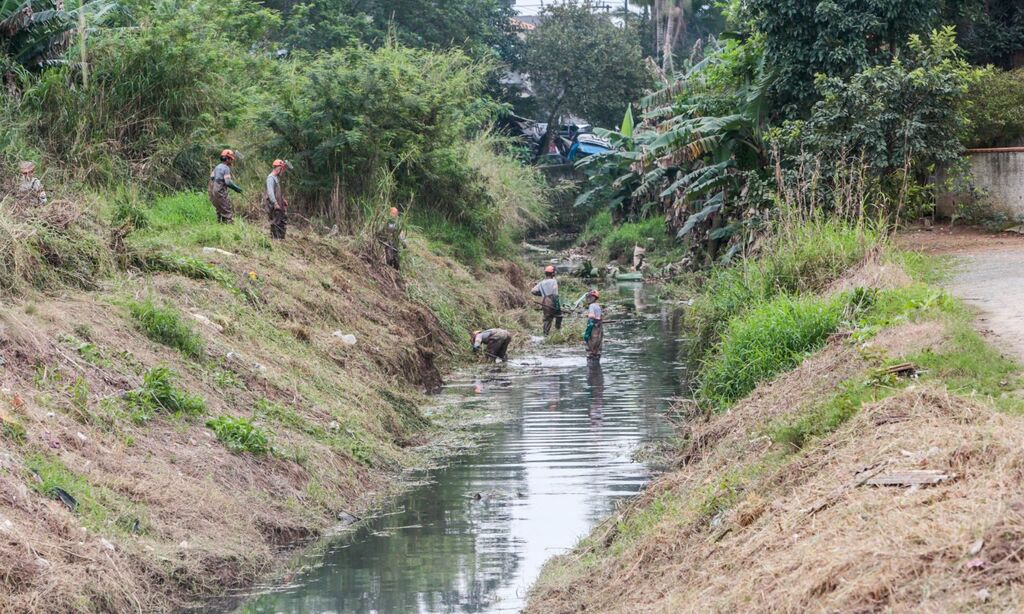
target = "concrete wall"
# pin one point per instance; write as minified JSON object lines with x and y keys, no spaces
{"x":998,"y":173}
{"x":1001,"y":175}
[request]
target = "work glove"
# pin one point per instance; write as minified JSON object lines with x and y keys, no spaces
{"x":234,"y":186}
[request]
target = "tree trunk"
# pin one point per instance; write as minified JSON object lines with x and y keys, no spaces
{"x":670,"y":19}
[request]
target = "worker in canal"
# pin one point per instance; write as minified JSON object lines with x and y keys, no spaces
{"x":275,"y":202}
{"x":547,"y":290}
{"x":593,"y":336}
{"x":496,"y":341}
{"x":220,"y":182}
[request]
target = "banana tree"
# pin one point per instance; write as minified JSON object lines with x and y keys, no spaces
{"x":37,"y":33}
{"x":695,"y":158}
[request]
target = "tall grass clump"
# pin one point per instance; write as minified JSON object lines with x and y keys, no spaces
{"x":769,"y":339}
{"x":159,"y":395}
{"x":188,"y":220}
{"x":164,"y":325}
{"x":803,"y":257}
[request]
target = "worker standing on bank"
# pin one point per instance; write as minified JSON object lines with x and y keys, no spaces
{"x":550,"y":304}
{"x":392,"y":240}
{"x":220,"y":181}
{"x":497,"y":340}
{"x":30,"y":189}
{"x":274,"y":201}
{"x":593,"y":337}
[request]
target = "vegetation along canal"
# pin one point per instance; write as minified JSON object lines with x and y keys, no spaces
{"x":544,"y":479}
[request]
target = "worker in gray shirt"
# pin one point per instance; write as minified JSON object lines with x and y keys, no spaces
{"x":274,"y":201}
{"x":550,"y":304}
{"x":220,"y":182}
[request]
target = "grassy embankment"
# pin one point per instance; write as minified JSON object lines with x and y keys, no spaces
{"x":799,"y":406}
{"x":194,"y":408}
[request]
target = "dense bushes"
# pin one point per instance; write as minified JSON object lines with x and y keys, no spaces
{"x":355,"y":117}
{"x":160,"y":99}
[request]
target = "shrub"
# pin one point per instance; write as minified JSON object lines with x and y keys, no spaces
{"x":164,"y":325}
{"x":769,"y":339}
{"x":159,"y":395}
{"x":239,"y":434}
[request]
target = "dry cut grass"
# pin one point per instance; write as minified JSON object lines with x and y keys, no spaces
{"x":746,"y":525}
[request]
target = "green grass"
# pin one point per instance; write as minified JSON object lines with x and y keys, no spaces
{"x":163,"y":324}
{"x":158,"y":395}
{"x":771,"y":338}
{"x":13,"y":431}
{"x":598,"y":227}
{"x":804,"y":259}
{"x":650,"y":233}
{"x":239,"y":434}
{"x":189,"y":220}
{"x":99,"y":509}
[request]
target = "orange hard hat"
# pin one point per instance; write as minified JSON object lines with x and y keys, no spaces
{"x":227,"y":153}
{"x":394,"y":211}
{"x":594,"y":293}
{"x":279,"y":163}
{"x":549,"y":268}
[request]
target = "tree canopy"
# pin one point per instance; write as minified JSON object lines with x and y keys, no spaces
{"x":582,"y":63}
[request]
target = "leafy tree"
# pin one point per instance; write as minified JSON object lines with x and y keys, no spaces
{"x":990,"y":31}
{"x":580,"y":62}
{"x":36,"y":33}
{"x":996,"y":109}
{"x":837,"y":38}
{"x":698,"y":164}
{"x":907,"y":114}
{"x":479,"y":27}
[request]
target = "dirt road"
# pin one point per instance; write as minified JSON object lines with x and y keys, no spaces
{"x":988,"y":275}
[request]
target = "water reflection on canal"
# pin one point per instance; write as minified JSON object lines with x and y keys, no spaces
{"x":545,"y":478}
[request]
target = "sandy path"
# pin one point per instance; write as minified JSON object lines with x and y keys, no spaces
{"x":988,"y":275}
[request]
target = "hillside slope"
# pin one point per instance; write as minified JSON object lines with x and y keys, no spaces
{"x":178,"y":401}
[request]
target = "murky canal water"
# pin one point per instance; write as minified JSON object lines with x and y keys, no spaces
{"x":544,"y":478}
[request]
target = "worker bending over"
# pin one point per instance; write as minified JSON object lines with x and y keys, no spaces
{"x":220,"y":181}
{"x":497,"y":340}
{"x":550,"y":305}
{"x":593,"y":337}
{"x":274,"y":201}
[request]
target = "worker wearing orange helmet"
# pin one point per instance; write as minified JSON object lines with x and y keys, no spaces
{"x":220,"y":182}
{"x":593,"y":337}
{"x":392,"y":240}
{"x":551,"y":306}
{"x":275,"y":202}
